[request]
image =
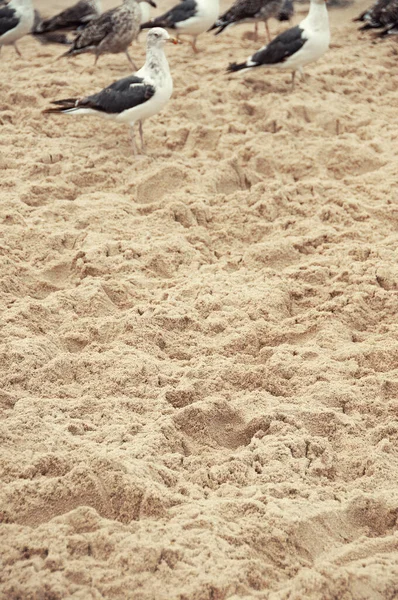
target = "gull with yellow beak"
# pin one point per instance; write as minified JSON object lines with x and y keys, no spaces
{"x":134,"y":98}
{"x":296,"y":47}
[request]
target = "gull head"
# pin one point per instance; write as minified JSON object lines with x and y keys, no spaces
{"x":158,"y":37}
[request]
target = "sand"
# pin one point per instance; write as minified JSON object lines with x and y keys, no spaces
{"x":199,"y":353}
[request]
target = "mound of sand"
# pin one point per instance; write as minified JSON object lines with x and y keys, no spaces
{"x":199,"y":355}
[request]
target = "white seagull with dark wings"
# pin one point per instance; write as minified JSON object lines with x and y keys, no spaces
{"x":295,"y":48}
{"x":16,"y":20}
{"x":134,"y":98}
{"x":189,"y":17}
{"x":247,"y":11}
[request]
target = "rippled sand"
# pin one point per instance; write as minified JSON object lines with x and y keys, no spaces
{"x":199,"y":351}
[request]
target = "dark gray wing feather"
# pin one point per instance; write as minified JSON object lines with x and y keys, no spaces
{"x":8,"y":19}
{"x":119,"y":96}
{"x":240,"y":11}
{"x":282,"y":46}
{"x":70,"y":18}
{"x":181,"y":12}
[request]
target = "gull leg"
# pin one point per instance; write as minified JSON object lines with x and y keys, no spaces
{"x":134,"y":66}
{"x":17,"y":49}
{"x":302,"y":74}
{"x":141,"y":130}
{"x":194,"y":46}
{"x":255,"y":31}
{"x":293,"y":78}
{"x":267,"y":30}
{"x":85,"y":68}
{"x":133,"y":140}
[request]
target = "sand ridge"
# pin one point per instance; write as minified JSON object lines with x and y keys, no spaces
{"x":199,"y":356}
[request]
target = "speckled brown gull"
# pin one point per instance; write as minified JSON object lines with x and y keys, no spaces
{"x":111,"y":33}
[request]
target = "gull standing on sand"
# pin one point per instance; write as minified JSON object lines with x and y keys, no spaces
{"x":110,"y":33}
{"x":189,"y":17}
{"x":134,"y":98}
{"x":295,"y":48}
{"x":247,"y":11}
{"x":16,"y":20}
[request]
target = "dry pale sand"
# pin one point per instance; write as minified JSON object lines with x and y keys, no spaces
{"x":199,"y":353}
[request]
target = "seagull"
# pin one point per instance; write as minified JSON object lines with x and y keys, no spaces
{"x":372,"y":14}
{"x":78,"y":15}
{"x":383,"y":14}
{"x":243,"y":11}
{"x":110,"y":33}
{"x":295,"y":47}
{"x":134,"y":98}
{"x":190,"y":17}
{"x":16,"y":20}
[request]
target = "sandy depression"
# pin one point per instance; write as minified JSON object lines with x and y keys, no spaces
{"x":199,"y":353}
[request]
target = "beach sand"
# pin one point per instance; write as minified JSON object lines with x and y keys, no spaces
{"x":199,"y":347}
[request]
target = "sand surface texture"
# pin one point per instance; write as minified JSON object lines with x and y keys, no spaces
{"x":199,"y":347}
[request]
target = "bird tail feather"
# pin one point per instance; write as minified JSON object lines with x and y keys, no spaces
{"x":61,"y":106}
{"x":67,"y":53}
{"x":153,"y":23}
{"x":360,"y":17}
{"x":237,"y":67}
{"x":222,"y":26}
{"x":369,"y":25}
{"x":67,"y":102}
{"x":52,"y":38}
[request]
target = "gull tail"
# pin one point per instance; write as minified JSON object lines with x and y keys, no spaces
{"x":62,"y":106}
{"x":52,"y":38}
{"x":73,"y":51}
{"x":220,"y":25}
{"x":370,"y":25}
{"x":69,"y":52}
{"x":361,"y":17}
{"x":238,"y":66}
{"x":154,"y":23}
